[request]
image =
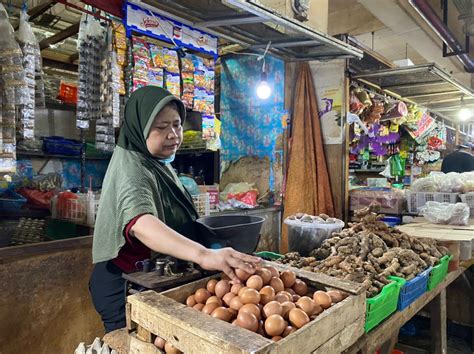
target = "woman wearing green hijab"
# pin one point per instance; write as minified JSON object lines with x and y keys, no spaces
{"x":144,"y":208}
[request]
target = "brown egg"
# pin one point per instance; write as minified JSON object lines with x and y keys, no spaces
{"x":288,"y":330}
{"x":242,"y":289}
{"x":198,"y":307}
{"x":255,"y":282}
{"x":296,"y":297}
{"x":272,"y":308}
{"x":277,"y":284}
{"x":222,"y":314}
{"x":214,"y":299}
{"x":236,"y":303}
{"x":275,"y":325}
{"x":211,"y":286}
{"x":227,"y":297}
{"x":232,"y":312}
{"x":306,"y":304}
{"x":171,"y":349}
{"x":250,"y":296}
{"x":159,"y":342}
{"x":208,"y":308}
{"x":222,"y":288}
{"x":202,"y":295}
{"x":247,"y":320}
{"x":234,"y":322}
{"x":335,"y":296}
{"x":300,"y":287}
{"x":276,"y":338}
{"x":190,"y":301}
{"x":290,"y":291}
{"x":298,"y":318}
{"x":317,"y":309}
{"x":261,"y":328}
{"x":242,"y":274}
{"x":283,"y":296}
{"x":235,"y":288}
{"x":252,"y":308}
{"x":265,"y":274}
{"x":287,"y":306}
{"x":288,"y":278}
{"x":267,"y":294}
{"x":273,"y":270}
{"x":322,"y":299}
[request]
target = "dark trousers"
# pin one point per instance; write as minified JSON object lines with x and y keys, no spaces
{"x":107,"y":288}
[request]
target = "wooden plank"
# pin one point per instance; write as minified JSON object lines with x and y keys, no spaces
{"x":151,"y":280}
{"x":119,"y":340}
{"x":143,"y":334}
{"x":139,"y":347}
{"x":130,"y":325}
{"x":190,"y":330}
{"x":325,"y":326}
{"x":378,"y":336}
{"x":60,"y":36}
{"x":37,"y":11}
{"x":439,"y":340}
{"x":389,"y":345}
{"x":344,"y":339}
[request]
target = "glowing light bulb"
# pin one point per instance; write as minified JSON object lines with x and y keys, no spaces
{"x":464,"y":114}
{"x":263,"y":90}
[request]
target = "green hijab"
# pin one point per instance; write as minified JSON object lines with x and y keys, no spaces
{"x":137,"y":183}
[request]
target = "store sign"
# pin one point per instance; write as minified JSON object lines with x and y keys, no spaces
{"x":138,"y":19}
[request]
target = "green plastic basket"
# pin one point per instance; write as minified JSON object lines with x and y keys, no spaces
{"x":382,"y":305}
{"x":439,"y":272}
{"x":269,"y":255}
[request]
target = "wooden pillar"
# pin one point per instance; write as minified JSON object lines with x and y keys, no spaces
{"x":439,"y":341}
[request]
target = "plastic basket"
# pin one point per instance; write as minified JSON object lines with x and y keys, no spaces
{"x":415,"y":200}
{"x":78,"y":210}
{"x":202,"y":204}
{"x":9,"y":200}
{"x":469,"y":200}
{"x":61,"y":146}
{"x":412,"y":289}
{"x":382,"y":305}
{"x":390,"y":202}
{"x":439,"y":272}
{"x":271,"y":256}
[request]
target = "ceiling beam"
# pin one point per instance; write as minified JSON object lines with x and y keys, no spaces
{"x":230,"y":20}
{"x":60,"y":36}
{"x":59,"y":65}
{"x":289,"y":44}
{"x":74,"y":57}
{"x":37,"y":11}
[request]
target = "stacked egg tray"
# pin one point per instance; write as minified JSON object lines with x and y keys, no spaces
{"x":28,"y":231}
{"x":183,"y":318}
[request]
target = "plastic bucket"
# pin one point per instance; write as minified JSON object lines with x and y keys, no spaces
{"x":241,"y":232}
{"x":305,"y":237}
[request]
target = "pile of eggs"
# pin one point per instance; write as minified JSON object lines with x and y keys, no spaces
{"x":270,"y":303}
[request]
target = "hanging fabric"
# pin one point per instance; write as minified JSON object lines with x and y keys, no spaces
{"x":308,"y":188}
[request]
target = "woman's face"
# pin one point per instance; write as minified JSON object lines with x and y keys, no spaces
{"x":166,"y":133}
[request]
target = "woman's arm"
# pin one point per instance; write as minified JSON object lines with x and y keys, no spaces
{"x":157,"y":236}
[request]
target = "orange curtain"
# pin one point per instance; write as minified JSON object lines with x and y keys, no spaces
{"x":308,"y":188}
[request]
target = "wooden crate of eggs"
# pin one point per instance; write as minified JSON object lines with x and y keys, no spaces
{"x":275,"y":310}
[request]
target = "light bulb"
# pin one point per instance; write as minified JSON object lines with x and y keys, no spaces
{"x":464,"y":114}
{"x":263,"y":90}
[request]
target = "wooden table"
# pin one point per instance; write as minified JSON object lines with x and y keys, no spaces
{"x":384,"y":336}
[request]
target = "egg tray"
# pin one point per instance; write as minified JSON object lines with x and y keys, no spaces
{"x":166,"y":315}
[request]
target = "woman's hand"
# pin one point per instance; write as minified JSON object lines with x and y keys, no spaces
{"x":226,"y":260}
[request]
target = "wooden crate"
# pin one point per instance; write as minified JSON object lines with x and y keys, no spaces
{"x":164,"y":314}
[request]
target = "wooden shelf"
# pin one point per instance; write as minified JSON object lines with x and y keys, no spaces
{"x":366,"y":170}
{"x":26,"y":154}
{"x":61,"y":106}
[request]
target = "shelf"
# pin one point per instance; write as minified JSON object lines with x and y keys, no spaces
{"x":52,"y":104}
{"x":366,"y":171}
{"x":26,"y":154}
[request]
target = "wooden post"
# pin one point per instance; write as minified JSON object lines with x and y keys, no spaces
{"x":438,"y":324}
{"x":389,"y":345}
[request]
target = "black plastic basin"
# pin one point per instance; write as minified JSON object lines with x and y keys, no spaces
{"x":241,"y":232}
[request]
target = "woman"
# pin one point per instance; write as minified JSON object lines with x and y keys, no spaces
{"x":144,"y":207}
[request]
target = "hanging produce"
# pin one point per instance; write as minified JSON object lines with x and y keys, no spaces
{"x":13,"y":91}
{"x":90,"y":48}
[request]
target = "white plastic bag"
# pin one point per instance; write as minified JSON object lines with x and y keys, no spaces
{"x":446,"y":213}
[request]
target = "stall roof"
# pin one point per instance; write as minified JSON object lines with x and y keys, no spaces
{"x":426,"y":84}
{"x":250,"y":24}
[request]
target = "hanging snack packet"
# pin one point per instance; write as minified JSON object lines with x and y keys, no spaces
{"x":156,"y":56}
{"x":171,"y":60}
{"x":155,"y":77}
{"x":173,"y":83}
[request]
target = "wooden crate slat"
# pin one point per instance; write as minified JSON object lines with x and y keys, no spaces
{"x":189,"y":330}
{"x":344,"y":339}
{"x":139,"y":347}
{"x":323,"y":328}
